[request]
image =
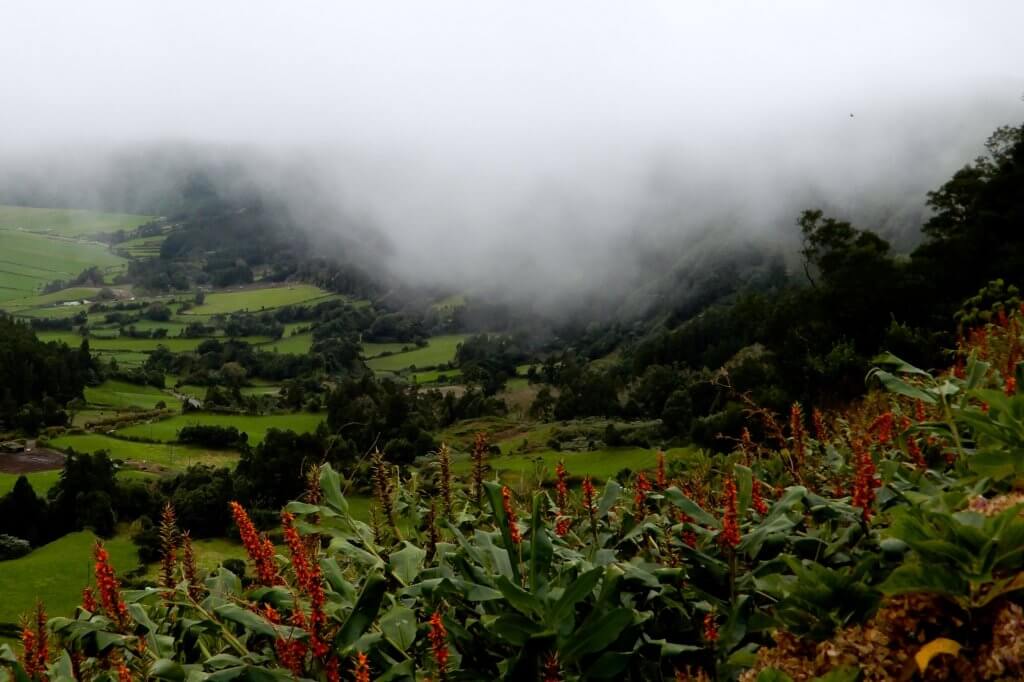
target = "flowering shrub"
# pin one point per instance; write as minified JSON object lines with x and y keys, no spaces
{"x":885,"y":540}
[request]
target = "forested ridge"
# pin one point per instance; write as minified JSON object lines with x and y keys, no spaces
{"x":801,"y":472}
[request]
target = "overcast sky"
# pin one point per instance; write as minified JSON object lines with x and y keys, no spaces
{"x":466,"y":126}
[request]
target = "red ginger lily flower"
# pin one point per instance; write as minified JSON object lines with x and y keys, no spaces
{"x":510,"y":515}
{"x":730,"y":535}
{"x":259,"y":548}
{"x":439,"y":644}
{"x":109,"y":587}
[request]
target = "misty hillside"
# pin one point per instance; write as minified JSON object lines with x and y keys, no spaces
{"x":467,"y":341}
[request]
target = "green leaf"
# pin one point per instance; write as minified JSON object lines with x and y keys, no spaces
{"x":894,"y":384}
{"x":406,"y":562}
{"x":399,"y":626}
{"x":364,"y":612}
{"x":914,"y":577}
{"x":246,"y":618}
{"x":597,"y":634}
{"x":691,"y":508}
{"x":773,"y":675}
{"x":518,"y":598}
{"x":541,"y":549}
{"x":493,"y":491}
{"x":577,"y":591}
{"x":166,"y":669}
{"x":514,"y":628}
{"x":330,"y":487}
{"x":612,"y":492}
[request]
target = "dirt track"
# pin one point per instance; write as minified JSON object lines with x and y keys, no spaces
{"x":40,"y":459}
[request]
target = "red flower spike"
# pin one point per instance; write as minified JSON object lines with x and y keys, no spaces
{"x":642,"y":487}
{"x":361,"y":669}
{"x":710,"y":628}
{"x":88,"y":600}
{"x":561,"y":487}
{"x":796,"y":430}
{"x":882,"y":427}
{"x":510,"y":515}
{"x":865,"y":483}
{"x":760,"y":506}
{"x":109,"y":587}
{"x":439,"y":644}
{"x":730,"y":535}
{"x":259,"y":549}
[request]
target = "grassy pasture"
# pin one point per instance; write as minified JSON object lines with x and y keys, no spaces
{"x":298,"y":344}
{"x":121,"y":395}
{"x":438,"y":351}
{"x":42,"y":481}
{"x":166,"y":430}
{"x":372,"y":350}
{"x":56,"y":573}
{"x":126,"y":344}
{"x":256,"y":299}
{"x":434,"y":376}
{"x":164,"y":454}
{"x":28,"y":261}
{"x":67,"y":222}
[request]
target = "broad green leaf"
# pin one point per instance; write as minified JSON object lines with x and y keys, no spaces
{"x":246,"y":618}
{"x":519,"y":598}
{"x":406,"y":562}
{"x":399,"y":626}
{"x":597,"y":634}
{"x":165,"y":669}
{"x":330,"y":487}
{"x":364,"y":612}
{"x":541,"y":549}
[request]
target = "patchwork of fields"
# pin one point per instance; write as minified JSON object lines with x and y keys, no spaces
{"x":40,"y":245}
{"x":256,"y":299}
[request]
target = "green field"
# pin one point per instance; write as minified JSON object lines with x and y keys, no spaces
{"x":434,"y":376}
{"x":256,"y":299}
{"x":164,"y":454}
{"x":28,"y":261}
{"x":166,"y":430}
{"x":372,"y":350}
{"x":56,"y":573}
{"x":121,"y":395}
{"x":42,"y":481}
{"x":127,"y":344}
{"x":143,"y":247}
{"x":439,"y":350}
{"x":67,"y":222}
{"x":292,"y":345}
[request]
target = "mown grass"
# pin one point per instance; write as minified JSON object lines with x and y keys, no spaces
{"x":166,"y":430}
{"x":56,"y":574}
{"x":121,"y":395}
{"x":42,"y":481}
{"x":439,"y":350}
{"x":28,"y":261}
{"x":130,"y":345}
{"x":165,"y":454}
{"x":67,"y":222}
{"x":372,"y":350}
{"x":299,"y":344}
{"x":433,"y":376}
{"x":255,"y":299}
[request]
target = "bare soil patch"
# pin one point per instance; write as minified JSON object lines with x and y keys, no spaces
{"x":39,"y":459}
